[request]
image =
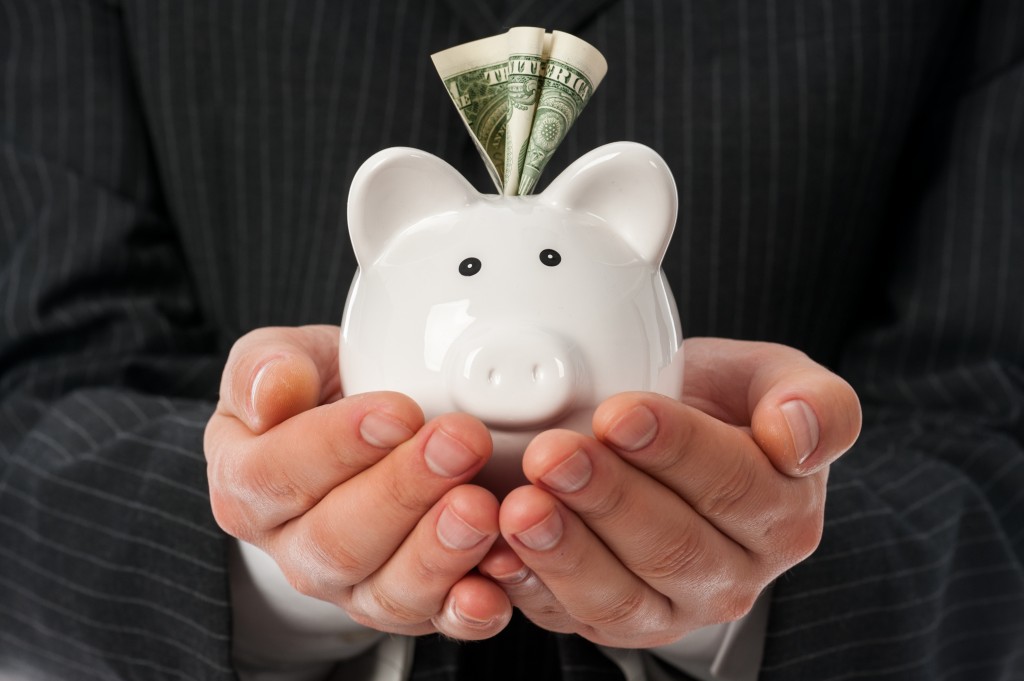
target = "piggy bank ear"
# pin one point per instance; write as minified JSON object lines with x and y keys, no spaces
{"x":628,"y":186}
{"x":396,"y":188}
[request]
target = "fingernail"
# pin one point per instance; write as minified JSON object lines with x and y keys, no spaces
{"x":571,"y":475}
{"x":448,"y":457}
{"x":252,"y":407}
{"x":380,"y":430}
{"x":544,"y":535}
{"x":803,"y":427}
{"x":456,"y":533}
{"x":455,"y":611}
{"x":512,"y":578}
{"x":635,"y":430}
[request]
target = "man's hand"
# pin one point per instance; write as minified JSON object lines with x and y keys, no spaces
{"x":677,"y":514}
{"x":360,"y":503}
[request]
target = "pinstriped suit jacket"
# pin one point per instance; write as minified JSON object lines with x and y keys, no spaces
{"x":173,"y":173}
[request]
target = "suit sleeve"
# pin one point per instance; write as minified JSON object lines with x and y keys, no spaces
{"x":110,"y":563}
{"x":919,"y":574}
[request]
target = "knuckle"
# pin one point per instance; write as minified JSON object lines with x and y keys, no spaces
{"x":805,"y":539}
{"x":227,"y":503}
{"x":308,"y":572}
{"x":626,"y":611}
{"x":427,"y":570}
{"x":345,"y":456}
{"x":261,"y":483}
{"x":303,"y":583}
{"x":614,"y":503}
{"x":552,"y":618}
{"x":570,"y":567}
{"x":392,"y":610}
{"x":342,"y":562}
{"x":734,"y":603}
{"x":403,"y":496}
{"x":279,"y":491}
{"x":687,"y":555}
{"x":729,"y":492}
{"x":231,"y":517}
{"x":314,"y":583}
{"x":550,"y":612}
{"x":629,"y":620}
{"x":283,"y":493}
{"x":797,"y":531}
{"x":684,"y":440}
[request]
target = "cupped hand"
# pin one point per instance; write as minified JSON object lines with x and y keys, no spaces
{"x":677,"y":513}
{"x":360,"y":503}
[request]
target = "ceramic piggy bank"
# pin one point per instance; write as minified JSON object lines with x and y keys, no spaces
{"x":525,"y":312}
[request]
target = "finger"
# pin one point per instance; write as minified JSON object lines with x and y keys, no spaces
{"x":654,"y":532}
{"x":474,"y":600}
{"x":359,"y":524}
{"x":803,"y":416}
{"x":805,"y":421}
{"x":410,"y":592}
{"x":569,"y":559}
{"x":274,"y":373}
{"x":716,"y":468}
{"x":258,"y":482}
{"x":524,"y":589}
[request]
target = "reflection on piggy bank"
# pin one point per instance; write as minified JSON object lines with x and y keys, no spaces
{"x":525,"y":312}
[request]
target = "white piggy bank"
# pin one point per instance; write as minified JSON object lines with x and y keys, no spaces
{"x":525,"y":312}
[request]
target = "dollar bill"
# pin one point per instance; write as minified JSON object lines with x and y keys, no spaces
{"x":571,"y":72}
{"x":475,"y":75}
{"x":518,"y":94}
{"x":526,"y":55}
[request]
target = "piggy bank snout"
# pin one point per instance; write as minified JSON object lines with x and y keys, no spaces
{"x":514,"y":378}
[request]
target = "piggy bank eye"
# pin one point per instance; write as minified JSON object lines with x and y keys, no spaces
{"x":550,"y":257}
{"x":469,"y":267}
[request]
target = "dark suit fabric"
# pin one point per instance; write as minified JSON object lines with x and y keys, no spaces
{"x":173,"y":173}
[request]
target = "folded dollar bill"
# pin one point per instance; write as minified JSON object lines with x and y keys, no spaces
{"x":518,"y":94}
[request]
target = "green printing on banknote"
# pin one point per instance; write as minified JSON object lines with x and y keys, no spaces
{"x":518,"y":94}
{"x":564,"y":93}
{"x":482,"y":100}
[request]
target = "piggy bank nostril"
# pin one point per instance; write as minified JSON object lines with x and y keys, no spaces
{"x":513,"y":380}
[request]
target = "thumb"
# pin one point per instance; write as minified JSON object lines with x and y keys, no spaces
{"x":805,"y":416}
{"x":802,"y":416}
{"x":274,"y":373}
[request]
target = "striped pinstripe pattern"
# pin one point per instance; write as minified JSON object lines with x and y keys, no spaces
{"x":173,"y":173}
